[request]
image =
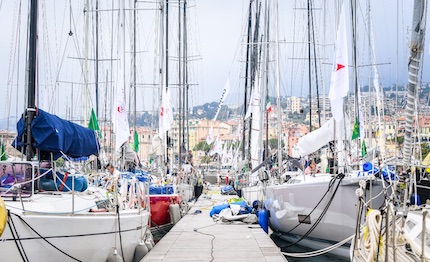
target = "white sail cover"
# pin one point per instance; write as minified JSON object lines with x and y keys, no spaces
{"x":328,"y":132}
{"x":339,"y":84}
{"x":165,"y":119}
{"x":256,"y":145}
{"x":120,"y":115}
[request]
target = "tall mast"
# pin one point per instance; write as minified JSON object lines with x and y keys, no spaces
{"x":97,"y":59}
{"x":315,"y":65}
{"x":134,"y":68}
{"x":278,"y":91}
{"x":180,"y":89}
{"x":254,"y":66}
{"x":185,"y":73}
{"x":266,"y":82}
{"x":416,"y":50}
{"x":245,"y":104}
{"x":166,"y":67}
{"x":86,"y":71}
{"x":354,"y":62}
{"x":309,"y":66}
{"x":32,"y":60}
{"x":161,"y":70}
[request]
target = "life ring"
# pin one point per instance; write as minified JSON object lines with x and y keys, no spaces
{"x":3,"y":216}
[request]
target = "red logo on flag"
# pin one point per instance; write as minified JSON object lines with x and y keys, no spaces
{"x":121,"y":108}
{"x":162,"y":111}
{"x":339,"y":66}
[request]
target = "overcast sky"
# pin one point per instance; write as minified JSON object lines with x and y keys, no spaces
{"x":216,"y":46}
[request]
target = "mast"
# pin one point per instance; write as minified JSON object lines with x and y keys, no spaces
{"x":185,"y":82}
{"x":32,"y":60}
{"x":266,"y":74}
{"x":354,"y":60}
{"x":86,"y":71}
{"x":180,"y":89}
{"x":255,"y":56}
{"x":315,"y":66}
{"x":134,"y":73}
{"x":416,"y":50}
{"x":97,"y":59}
{"x":166,"y":67}
{"x":309,"y":66}
{"x":161,"y":72}
{"x":245,"y":104}
{"x":278,"y":92}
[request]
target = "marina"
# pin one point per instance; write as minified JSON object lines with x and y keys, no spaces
{"x":197,"y":237}
{"x":291,"y":131}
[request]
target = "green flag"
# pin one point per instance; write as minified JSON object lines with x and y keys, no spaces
{"x":136,"y":141}
{"x":94,"y":124}
{"x":3,"y":156}
{"x":363,"y":149}
{"x":356,"y":130}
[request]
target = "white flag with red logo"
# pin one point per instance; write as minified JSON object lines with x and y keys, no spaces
{"x":122,"y":129}
{"x":210,"y":137}
{"x":165,"y":119}
{"x":339,"y":84}
{"x":120,"y":117}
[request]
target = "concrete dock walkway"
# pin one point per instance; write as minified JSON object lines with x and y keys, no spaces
{"x":197,"y":237}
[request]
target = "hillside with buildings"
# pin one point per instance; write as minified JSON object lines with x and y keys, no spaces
{"x":295,"y":123}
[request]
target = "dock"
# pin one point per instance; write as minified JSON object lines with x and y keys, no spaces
{"x":197,"y":237}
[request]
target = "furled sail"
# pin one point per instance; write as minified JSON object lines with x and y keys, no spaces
{"x":322,"y":136}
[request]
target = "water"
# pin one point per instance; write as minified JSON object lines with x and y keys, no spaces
{"x":299,"y":249}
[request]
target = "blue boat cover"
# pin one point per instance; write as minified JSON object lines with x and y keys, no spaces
{"x":161,"y":190}
{"x":52,"y":134}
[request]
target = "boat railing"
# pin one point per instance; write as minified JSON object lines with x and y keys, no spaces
{"x":18,"y":179}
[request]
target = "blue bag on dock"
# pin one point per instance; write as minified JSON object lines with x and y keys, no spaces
{"x":218,"y":208}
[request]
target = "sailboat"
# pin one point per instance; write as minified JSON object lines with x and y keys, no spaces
{"x":400,"y":230}
{"x":170,"y":195}
{"x":52,"y":214}
{"x":319,"y":210}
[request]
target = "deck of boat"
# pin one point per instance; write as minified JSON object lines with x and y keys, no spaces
{"x":196,"y":237}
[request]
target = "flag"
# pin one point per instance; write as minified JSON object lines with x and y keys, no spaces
{"x":3,"y":156}
{"x":165,"y":119}
{"x":268,"y":105}
{"x":356,"y":129}
{"x":216,"y":148}
{"x":363,"y":149}
{"x":136,"y":141}
{"x":210,"y":137}
{"x":94,"y":124}
{"x":120,"y":115}
{"x":339,"y":83}
{"x":122,"y":129}
{"x":378,"y":132}
{"x":223,"y":96}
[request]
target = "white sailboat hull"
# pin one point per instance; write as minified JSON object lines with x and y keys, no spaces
{"x":291,"y":203}
{"x":86,"y":236}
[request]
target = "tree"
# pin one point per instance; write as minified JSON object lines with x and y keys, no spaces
{"x":203,"y":146}
{"x":273,"y":143}
{"x":205,"y":160}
